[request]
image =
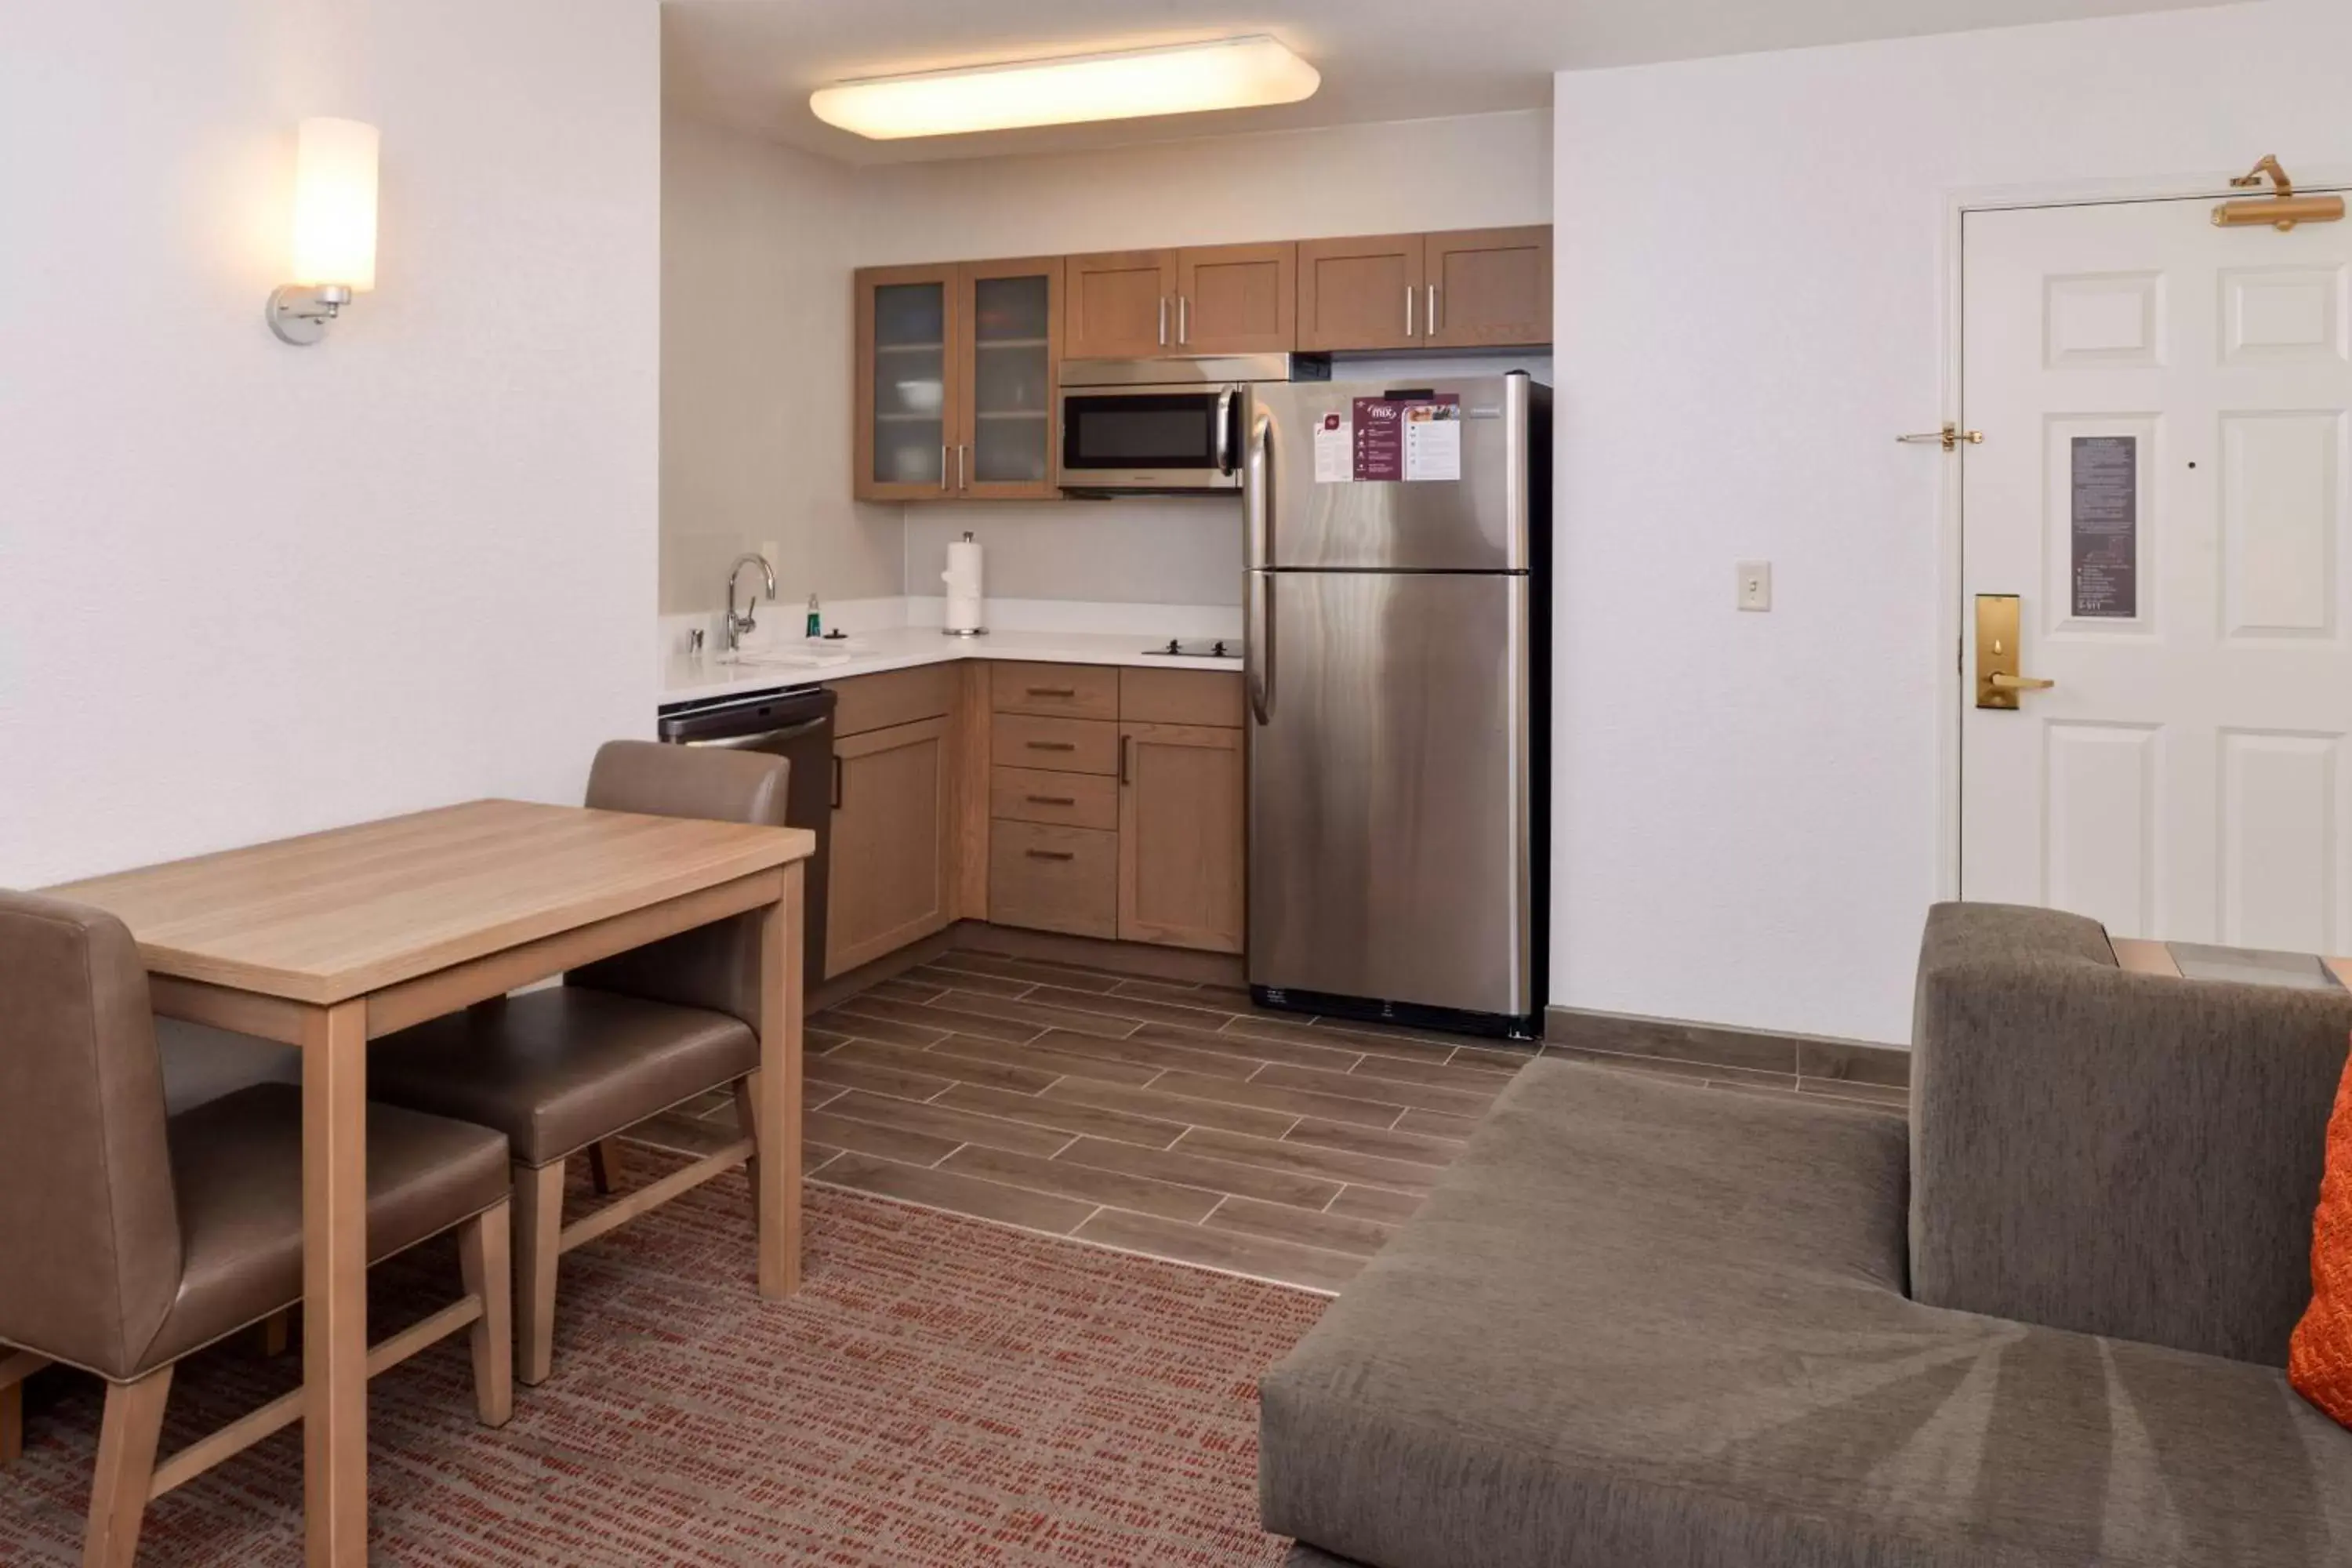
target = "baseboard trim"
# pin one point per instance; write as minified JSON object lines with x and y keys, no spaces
{"x":1182,"y":964}
{"x":1723,"y":1045}
{"x":1189,"y":966}
{"x":890,"y":966}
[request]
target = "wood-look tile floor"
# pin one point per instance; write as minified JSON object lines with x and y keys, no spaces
{"x":1172,"y":1120}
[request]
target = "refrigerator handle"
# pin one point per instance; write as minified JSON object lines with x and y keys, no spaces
{"x":1257,"y":627}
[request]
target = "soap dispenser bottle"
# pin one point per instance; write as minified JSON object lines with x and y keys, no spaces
{"x":816,"y":620}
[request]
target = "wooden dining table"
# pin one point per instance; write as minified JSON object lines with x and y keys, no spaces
{"x":329,"y":941}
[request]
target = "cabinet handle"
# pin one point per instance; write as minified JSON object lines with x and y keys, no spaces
{"x":1432,"y":310}
{"x":1126,"y":750}
{"x":837,"y":783}
{"x":1163,"y":320}
{"x":1184,"y":320}
{"x":1408,"y":309}
{"x":1052,"y":855}
{"x":1053,"y":692}
{"x":943,"y":465}
{"x":961,"y":482}
{"x":1051,"y":745}
{"x":1053,"y":800}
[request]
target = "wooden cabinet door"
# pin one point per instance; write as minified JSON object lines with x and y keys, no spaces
{"x":1238,"y":299}
{"x":908,"y":410}
{"x":1488,"y":286}
{"x":892,"y":849}
{"x":1118,"y":305}
{"x":1363,"y":293}
{"x":1006,"y":332}
{"x":1179,"y":836}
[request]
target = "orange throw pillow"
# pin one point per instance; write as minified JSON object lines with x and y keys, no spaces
{"x":2319,"y":1357}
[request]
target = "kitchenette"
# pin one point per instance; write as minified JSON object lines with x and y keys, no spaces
{"x":1327,"y":779}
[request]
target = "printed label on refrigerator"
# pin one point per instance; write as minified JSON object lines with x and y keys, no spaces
{"x":1334,"y":441}
{"x":1408,"y":438}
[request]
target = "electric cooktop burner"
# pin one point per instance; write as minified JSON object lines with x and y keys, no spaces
{"x":1199,"y":648}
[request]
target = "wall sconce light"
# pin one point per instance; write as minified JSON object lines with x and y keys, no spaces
{"x":334,"y":228}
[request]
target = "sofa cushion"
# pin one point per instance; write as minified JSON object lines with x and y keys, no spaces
{"x":1649,"y":1325}
{"x":2112,"y":1152}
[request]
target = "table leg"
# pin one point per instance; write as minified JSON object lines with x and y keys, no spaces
{"x":777,"y":1205}
{"x":334,"y":1284}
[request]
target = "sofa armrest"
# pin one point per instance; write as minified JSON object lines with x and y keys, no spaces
{"x":2113,"y":1152}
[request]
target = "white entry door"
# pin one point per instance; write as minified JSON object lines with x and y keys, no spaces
{"x":2163,"y":485}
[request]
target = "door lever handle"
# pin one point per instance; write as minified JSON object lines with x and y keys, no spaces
{"x":2018,"y":682}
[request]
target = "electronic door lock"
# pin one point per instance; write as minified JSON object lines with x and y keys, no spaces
{"x":1999,"y":680}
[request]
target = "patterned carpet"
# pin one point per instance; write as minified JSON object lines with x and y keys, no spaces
{"x":943,"y":1391}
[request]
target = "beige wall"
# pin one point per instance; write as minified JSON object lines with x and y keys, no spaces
{"x":755,"y":422}
{"x":1487,"y":169}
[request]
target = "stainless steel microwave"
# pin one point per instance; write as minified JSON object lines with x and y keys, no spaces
{"x":1163,"y":426}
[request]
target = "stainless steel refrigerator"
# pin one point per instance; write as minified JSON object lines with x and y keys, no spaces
{"x":1398,"y":599}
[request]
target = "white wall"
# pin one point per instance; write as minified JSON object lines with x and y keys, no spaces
{"x":1752,"y":275}
{"x":247,"y":589}
{"x":1478,"y":172}
{"x":758,"y":242}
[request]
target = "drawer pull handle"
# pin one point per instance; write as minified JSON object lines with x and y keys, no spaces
{"x":1053,"y":692}
{"x":1051,"y":745}
{"x":1053,"y":800}
{"x":1053,"y":855}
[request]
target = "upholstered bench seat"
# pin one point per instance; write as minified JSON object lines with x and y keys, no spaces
{"x":1642,"y":1324}
{"x":559,"y":1068}
{"x":236,"y":1166}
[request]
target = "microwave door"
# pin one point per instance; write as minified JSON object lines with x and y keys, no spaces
{"x":1166,"y":439}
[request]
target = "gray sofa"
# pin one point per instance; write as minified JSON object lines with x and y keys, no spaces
{"x":1642,"y":1324}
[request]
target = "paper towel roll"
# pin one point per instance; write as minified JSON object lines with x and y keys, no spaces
{"x":963,"y":578}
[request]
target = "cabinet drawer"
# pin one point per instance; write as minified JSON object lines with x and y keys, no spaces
{"x":1066,"y":800}
{"x":1181,"y":697}
{"x":1056,"y":690}
{"x":894,"y":697}
{"x":1054,"y":879}
{"x":1058,"y":745}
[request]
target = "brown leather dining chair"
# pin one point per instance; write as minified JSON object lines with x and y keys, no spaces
{"x":560,"y":1070}
{"x":133,"y":1239}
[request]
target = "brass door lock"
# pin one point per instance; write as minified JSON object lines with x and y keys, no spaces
{"x":1997,"y":678}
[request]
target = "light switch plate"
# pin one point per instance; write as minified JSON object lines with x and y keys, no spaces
{"x":1755,"y":584}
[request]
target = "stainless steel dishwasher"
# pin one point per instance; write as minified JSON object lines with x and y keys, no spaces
{"x":796,"y":723}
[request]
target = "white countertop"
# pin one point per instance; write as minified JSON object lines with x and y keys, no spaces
{"x":687,"y":677}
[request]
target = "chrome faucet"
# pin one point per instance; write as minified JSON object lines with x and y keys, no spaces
{"x":738,"y":624}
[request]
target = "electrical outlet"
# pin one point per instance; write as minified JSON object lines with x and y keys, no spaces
{"x":1755,"y":584}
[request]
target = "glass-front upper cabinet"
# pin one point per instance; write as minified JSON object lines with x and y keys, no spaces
{"x":956,"y":381}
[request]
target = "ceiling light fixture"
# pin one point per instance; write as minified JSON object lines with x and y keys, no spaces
{"x":1125,"y":84}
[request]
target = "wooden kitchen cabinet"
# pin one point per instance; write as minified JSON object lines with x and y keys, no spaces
{"x":1361,"y":293}
{"x":893,"y":847}
{"x":1479,"y":288}
{"x":1488,"y":287}
{"x":957,"y":373}
{"x":907,"y":414}
{"x":1181,"y":835}
{"x":1118,"y":305}
{"x":1238,"y":299}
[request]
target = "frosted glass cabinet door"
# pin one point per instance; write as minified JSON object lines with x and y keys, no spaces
{"x":1012,"y":309}
{"x":907,"y":407}
{"x":956,"y":381}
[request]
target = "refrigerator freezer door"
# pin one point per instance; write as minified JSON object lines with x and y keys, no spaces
{"x":1389,"y":812}
{"x":1475,"y":523}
